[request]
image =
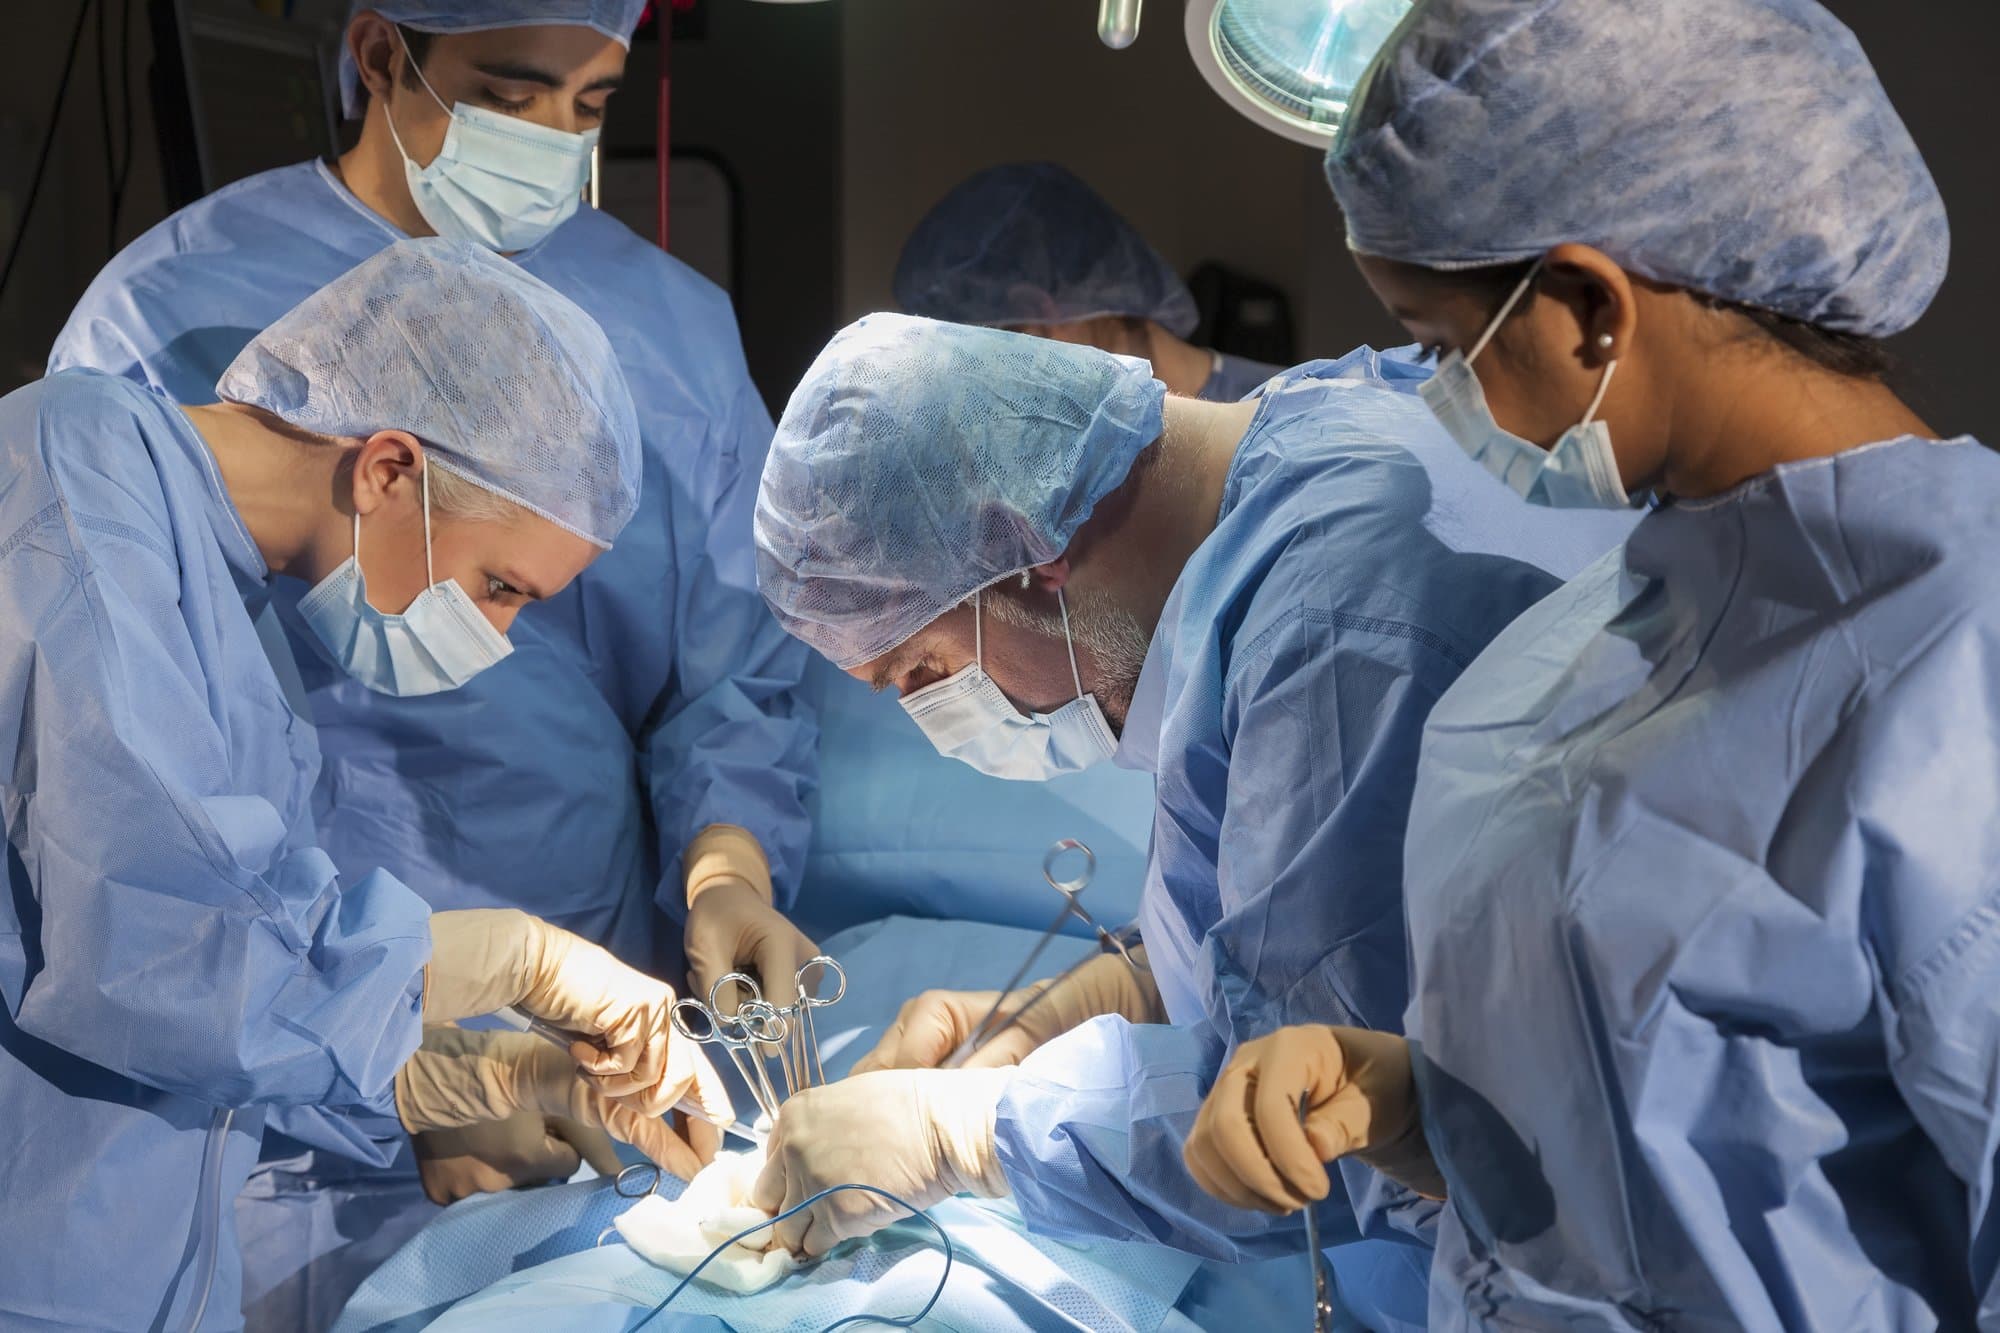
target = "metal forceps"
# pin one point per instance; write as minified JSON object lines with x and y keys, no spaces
{"x":1322,"y":1303}
{"x":992,"y":1025}
{"x":521,"y":1021}
{"x":805,"y":1036}
{"x":739,"y":1033}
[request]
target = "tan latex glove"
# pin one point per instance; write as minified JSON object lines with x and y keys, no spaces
{"x":460,"y":1078}
{"x":487,"y":959}
{"x":1249,"y":1149}
{"x":921,"y":1134}
{"x":732,"y":925}
{"x":525,"y":1149}
{"x":933,"y":1025}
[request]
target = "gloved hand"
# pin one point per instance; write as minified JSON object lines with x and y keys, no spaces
{"x":732,"y":925}
{"x":1248,"y":1148}
{"x":483,"y":960}
{"x":525,"y":1149}
{"x":923,"y":1135}
{"x":934,"y":1024}
{"x":458,"y":1077}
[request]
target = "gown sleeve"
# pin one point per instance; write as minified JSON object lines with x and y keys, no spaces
{"x":175,"y":929}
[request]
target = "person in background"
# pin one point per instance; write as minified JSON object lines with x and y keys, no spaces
{"x":1259,"y":602}
{"x":1703,"y":868}
{"x":642,"y":752}
{"x":178,"y":954}
{"x":1029,"y":247}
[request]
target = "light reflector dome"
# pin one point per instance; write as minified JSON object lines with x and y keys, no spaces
{"x":1290,"y":65}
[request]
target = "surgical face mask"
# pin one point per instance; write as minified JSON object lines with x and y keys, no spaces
{"x":438,"y":644}
{"x":499,"y":181}
{"x":1579,"y":472}
{"x":967,"y":717}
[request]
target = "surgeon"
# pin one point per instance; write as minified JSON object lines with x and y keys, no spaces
{"x":1701,"y":868}
{"x":1027,"y":246}
{"x":1054,"y":563}
{"x":430,"y":443}
{"x":642,"y":752}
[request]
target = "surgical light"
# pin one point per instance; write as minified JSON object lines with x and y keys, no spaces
{"x":1291,"y":66}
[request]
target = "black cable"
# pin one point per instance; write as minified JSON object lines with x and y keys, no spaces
{"x":48,"y":144}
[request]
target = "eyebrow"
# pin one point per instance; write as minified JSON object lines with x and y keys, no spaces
{"x":513,"y":73}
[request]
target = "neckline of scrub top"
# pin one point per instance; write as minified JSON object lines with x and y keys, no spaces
{"x":353,"y":201}
{"x":1139,"y":739}
{"x":1750,"y":485}
{"x":231,"y":532}
{"x":1232,"y":485}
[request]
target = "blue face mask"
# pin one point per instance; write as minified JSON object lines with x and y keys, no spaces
{"x":1578,"y":472}
{"x":968,"y":717}
{"x":499,"y":181}
{"x":438,"y":643}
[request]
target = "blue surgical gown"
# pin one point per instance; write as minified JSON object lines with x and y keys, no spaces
{"x":173,"y":944}
{"x":653,"y":697}
{"x":1235,"y":377}
{"x":1704,"y":900}
{"x":1360,"y":561}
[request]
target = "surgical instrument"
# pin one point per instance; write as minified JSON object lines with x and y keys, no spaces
{"x":1071,"y":890}
{"x":1121,"y":942}
{"x":1322,"y":1304}
{"x":521,"y":1021}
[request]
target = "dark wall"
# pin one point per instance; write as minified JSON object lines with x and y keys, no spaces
{"x":1937,"y":61}
{"x":761,"y":90}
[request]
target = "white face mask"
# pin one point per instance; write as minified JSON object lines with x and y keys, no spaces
{"x":438,"y":644}
{"x":968,"y":717}
{"x":1579,"y":472}
{"x":499,"y":181}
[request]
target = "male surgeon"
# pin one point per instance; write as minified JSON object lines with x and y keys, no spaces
{"x":641,"y":751}
{"x":1054,"y":562}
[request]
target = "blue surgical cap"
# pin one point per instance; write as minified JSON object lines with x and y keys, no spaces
{"x":1740,"y":148}
{"x":919,"y":462}
{"x":507,"y":382}
{"x":1032,"y":244}
{"x":614,"y":18}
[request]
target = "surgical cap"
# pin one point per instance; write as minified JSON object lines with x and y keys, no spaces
{"x":919,"y":462}
{"x":1032,"y":244}
{"x":614,"y":18}
{"x":507,"y":383}
{"x":1740,"y":148}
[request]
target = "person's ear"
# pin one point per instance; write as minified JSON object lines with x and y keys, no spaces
{"x":372,"y":41}
{"x":1599,"y":296}
{"x":386,"y":463}
{"x":1051,"y":576}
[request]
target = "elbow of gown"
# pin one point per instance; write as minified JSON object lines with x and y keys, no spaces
{"x":239,"y":1007}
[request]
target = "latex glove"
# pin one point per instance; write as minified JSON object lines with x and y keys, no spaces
{"x":732,"y":925}
{"x":1249,"y":1149}
{"x":936,"y":1023}
{"x":522,"y":1150}
{"x":486,"y":959}
{"x":921,"y":1134}
{"x":458,"y":1077}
